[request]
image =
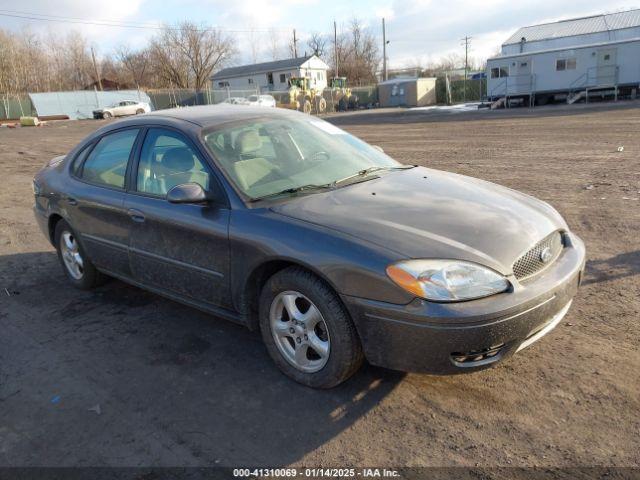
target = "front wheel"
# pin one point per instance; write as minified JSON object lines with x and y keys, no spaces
{"x":75,"y":263}
{"x":306,"y":106}
{"x":321,"y":105}
{"x":106,"y":115}
{"x":307,"y":331}
{"x":139,"y":111}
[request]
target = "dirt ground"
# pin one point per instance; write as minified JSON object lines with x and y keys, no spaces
{"x":121,"y":377}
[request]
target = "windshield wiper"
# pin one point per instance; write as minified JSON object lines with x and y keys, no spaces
{"x":334,"y":184}
{"x":301,"y":188}
{"x":367,"y":171}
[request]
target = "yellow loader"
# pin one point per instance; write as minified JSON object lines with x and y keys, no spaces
{"x":300,"y":96}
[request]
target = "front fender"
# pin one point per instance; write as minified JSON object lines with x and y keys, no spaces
{"x":351,"y":266}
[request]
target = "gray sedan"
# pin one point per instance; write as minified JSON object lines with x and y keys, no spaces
{"x":334,"y":251}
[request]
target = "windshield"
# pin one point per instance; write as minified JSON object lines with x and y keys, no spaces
{"x":266,"y":156}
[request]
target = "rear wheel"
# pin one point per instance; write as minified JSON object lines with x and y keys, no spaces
{"x":307,"y":331}
{"x":75,"y":263}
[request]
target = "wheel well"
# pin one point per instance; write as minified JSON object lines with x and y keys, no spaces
{"x":250,"y":299}
{"x":53,"y":221}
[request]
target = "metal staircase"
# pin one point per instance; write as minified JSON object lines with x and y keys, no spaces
{"x":514,"y":86}
{"x":603,"y":79}
{"x":573,"y":97}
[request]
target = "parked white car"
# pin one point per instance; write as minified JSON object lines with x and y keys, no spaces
{"x":120,"y":109}
{"x":237,"y":101}
{"x":262,"y":100}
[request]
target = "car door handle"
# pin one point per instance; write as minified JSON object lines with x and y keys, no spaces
{"x":136,"y":215}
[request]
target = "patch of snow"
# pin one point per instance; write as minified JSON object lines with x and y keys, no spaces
{"x":458,"y":108}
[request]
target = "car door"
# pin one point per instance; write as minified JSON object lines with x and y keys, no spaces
{"x":130,"y":108}
{"x":95,"y":203}
{"x":123,"y":109}
{"x":180,"y":248}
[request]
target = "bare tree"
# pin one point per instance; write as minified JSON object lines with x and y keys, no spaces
{"x":186,"y":56}
{"x":274,"y":44}
{"x":291,"y":48}
{"x":254,"y":41}
{"x":318,"y":44}
{"x":134,"y":63}
{"x":358,"y":54}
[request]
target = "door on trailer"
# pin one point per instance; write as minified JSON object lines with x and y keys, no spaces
{"x":607,"y":65}
{"x":397,"y":95}
{"x":522,"y":82}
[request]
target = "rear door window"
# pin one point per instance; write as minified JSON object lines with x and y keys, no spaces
{"x":107,"y":163}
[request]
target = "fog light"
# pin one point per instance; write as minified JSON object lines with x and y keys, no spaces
{"x":468,"y":358}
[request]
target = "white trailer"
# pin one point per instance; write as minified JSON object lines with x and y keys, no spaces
{"x":570,"y":60}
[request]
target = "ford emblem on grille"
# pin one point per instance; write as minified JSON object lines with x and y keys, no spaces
{"x":545,"y":255}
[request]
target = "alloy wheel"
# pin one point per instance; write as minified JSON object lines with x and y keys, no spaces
{"x":299,"y":331}
{"x":71,"y":255}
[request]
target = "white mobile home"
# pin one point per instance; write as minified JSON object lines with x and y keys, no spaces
{"x":569,"y":59}
{"x":272,"y":76}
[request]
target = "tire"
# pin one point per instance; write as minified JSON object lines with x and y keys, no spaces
{"x":306,"y":106}
{"x":334,"y":332}
{"x":321,"y":105}
{"x":86,"y":277}
{"x":139,"y":111}
{"x":106,"y":115}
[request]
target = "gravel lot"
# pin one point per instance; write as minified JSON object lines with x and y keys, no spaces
{"x":121,"y":377}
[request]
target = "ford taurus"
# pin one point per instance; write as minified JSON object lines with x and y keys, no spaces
{"x":334,"y":251}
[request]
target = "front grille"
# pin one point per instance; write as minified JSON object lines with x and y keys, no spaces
{"x":532,"y":262}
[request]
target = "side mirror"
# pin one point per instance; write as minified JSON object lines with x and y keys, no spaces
{"x":378,"y":147}
{"x":187,"y":193}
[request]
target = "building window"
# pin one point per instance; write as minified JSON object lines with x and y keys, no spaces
{"x":270,"y":78}
{"x":565,"y":64}
{"x":223,"y":84}
{"x":607,"y":57}
{"x":523,"y":64}
{"x":499,"y":72}
{"x":250,"y":80}
{"x":283,"y":78}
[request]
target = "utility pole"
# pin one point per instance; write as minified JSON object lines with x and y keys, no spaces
{"x":466,"y":41}
{"x":95,"y":68}
{"x":335,"y":46}
{"x":385,"y":76}
{"x":295,"y":44}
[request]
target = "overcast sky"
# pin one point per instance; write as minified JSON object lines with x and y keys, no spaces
{"x":418,"y":30}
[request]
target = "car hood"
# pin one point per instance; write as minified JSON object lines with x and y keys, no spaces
{"x":425,"y":213}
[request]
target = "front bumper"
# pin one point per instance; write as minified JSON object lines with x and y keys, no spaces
{"x":448,"y":338}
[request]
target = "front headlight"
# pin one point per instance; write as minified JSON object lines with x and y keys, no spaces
{"x":446,"y":280}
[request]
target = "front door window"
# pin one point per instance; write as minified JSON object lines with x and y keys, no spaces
{"x":168,"y":160}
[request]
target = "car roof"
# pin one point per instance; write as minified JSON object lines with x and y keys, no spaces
{"x":211,"y":115}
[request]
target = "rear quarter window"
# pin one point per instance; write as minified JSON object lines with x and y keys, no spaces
{"x":76,"y":167}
